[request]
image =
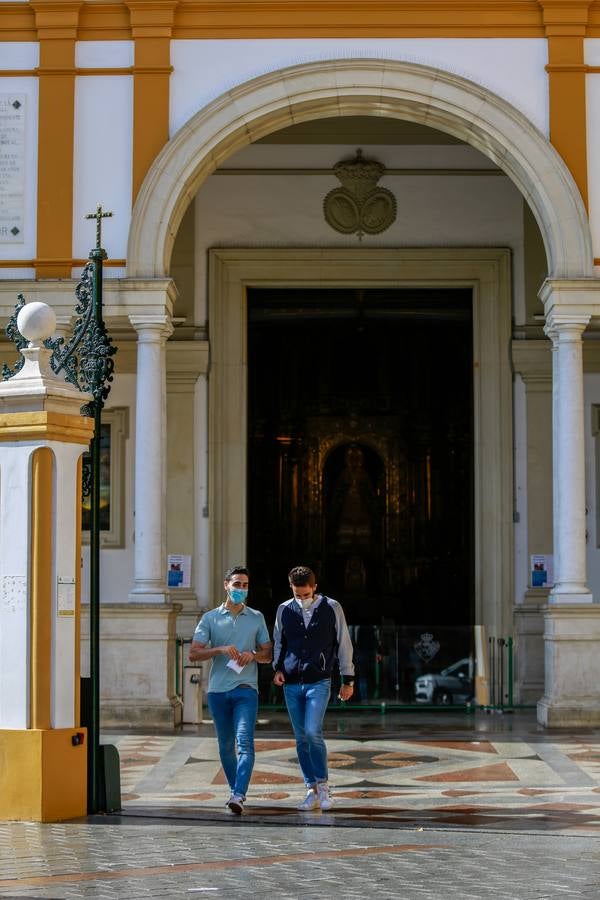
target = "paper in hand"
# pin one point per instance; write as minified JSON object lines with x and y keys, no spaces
{"x":235,"y":666}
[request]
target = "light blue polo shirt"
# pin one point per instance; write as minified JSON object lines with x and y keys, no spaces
{"x":246,"y":631}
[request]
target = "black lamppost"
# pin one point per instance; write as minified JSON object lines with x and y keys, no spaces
{"x":96,"y":368}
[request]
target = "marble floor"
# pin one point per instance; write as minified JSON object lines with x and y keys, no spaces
{"x":461,"y":772}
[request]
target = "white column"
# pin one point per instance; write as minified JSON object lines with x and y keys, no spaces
{"x":569,"y":463}
{"x":555,"y":416}
{"x":150,"y":564}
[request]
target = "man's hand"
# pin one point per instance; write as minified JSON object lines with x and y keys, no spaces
{"x":246,"y":657}
{"x":231,"y":651}
{"x":279,"y":679}
{"x":346,"y":691}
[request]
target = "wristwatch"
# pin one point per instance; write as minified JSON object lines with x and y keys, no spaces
{"x":347,"y":682}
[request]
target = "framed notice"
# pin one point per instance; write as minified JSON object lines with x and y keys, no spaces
{"x":12,"y":168}
{"x":113,"y":434}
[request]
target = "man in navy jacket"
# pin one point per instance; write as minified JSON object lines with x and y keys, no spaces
{"x":311,"y":637}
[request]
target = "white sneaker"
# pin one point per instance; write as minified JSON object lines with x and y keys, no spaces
{"x":310,"y":802}
{"x":323,"y":796}
{"x":236,"y":804}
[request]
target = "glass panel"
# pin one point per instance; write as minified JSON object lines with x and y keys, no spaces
{"x":403,"y":665}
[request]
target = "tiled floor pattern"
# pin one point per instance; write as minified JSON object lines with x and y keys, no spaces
{"x":508,"y":782}
{"x":474,"y":811}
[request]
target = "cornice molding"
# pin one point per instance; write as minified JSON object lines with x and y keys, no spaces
{"x":189,"y":19}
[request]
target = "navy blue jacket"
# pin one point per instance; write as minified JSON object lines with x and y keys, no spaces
{"x":310,"y":654}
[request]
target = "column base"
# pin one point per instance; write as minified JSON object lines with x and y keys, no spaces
{"x":137,"y":664}
{"x":553,"y":715}
{"x":145,"y":595}
{"x":128,"y":714}
{"x":43,"y":775}
{"x":570,"y":597}
{"x":572,"y":666}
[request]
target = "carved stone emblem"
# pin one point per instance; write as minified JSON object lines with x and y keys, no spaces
{"x":359,"y":206}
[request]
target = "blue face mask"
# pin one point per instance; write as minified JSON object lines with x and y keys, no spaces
{"x":237,"y":595}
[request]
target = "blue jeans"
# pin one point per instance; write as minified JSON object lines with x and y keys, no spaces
{"x":234,"y":715}
{"x":306,"y":705}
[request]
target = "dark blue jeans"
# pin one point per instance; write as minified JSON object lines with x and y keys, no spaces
{"x":306,"y":705}
{"x":234,"y":714}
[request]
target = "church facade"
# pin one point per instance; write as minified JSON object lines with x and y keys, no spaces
{"x":354,"y":281}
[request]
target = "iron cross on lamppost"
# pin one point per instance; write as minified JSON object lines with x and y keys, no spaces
{"x":98,"y":216}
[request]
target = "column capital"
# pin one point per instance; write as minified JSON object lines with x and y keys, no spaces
{"x":577,"y":296}
{"x":566,"y":326}
{"x":152,"y":329}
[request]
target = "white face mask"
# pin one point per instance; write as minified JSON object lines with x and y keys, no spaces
{"x":305,"y":603}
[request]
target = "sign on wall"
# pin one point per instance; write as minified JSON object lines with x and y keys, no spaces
{"x":12,"y":168}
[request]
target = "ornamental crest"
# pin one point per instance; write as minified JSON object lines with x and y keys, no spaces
{"x":359,"y":206}
{"x":426,"y":647}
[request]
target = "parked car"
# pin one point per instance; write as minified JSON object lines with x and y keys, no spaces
{"x":453,"y":685}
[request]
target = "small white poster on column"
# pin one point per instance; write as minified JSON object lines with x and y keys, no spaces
{"x":542,"y":570}
{"x":179,"y":573}
{"x":65,"y":596}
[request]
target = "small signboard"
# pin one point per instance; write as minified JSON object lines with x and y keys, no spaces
{"x":179,"y":570}
{"x":65,"y":596}
{"x":542,"y":570}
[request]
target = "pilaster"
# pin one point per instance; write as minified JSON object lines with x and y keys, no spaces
{"x":565,"y":23}
{"x":56,"y":23}
{"x":532,"y":360}
{"x":151,"y":30}
{"x":186,"y":361}
{"x":150,"y":556}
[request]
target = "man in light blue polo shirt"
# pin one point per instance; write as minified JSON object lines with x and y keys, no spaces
{"x":235,"y":637}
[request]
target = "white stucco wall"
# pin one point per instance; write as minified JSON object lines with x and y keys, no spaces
{"x":102,"y":161}
{"x":514,"y":69}
{"x":104,"y":54}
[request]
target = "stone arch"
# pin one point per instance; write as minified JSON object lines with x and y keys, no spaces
{"x":360,"y":87}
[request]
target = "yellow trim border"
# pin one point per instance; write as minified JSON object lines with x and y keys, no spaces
{"x":47,"y":426}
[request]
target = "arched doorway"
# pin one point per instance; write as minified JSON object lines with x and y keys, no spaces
{"x":364,"y":87}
